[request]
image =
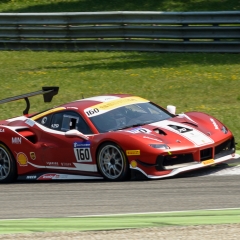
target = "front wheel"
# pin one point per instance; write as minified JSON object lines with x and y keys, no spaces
{"x":8,"y":171}
{"x":112,"y":162}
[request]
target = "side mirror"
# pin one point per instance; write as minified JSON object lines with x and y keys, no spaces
{"x":171,"y":109}
{"x":76,"y":133}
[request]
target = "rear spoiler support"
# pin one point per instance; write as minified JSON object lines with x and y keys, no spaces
{"x":47,"y":92}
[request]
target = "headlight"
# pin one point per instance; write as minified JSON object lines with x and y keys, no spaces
{"x":159,"y":146}
{"x":224,"y":129}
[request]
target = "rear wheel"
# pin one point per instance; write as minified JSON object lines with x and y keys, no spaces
{"x":8,"y":170}
{"x":112,"y":162}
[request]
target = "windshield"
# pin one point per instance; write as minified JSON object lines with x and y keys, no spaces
{"x":129,"y":116}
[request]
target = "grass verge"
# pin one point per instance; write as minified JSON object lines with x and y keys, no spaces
{"x":192,"y":82}
{"x":204,"y":217}
{"x":117,"y":5}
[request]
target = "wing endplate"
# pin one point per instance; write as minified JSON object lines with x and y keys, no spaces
{"x":47,"y":92}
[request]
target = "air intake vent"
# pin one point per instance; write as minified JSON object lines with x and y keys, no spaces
{"x":189,"y":123}
{"x":206,"y":154}
{"x":225,"y":148}
{"x":29,"y":135}
{"x":173,"y":161}
{"x":159,"y":131}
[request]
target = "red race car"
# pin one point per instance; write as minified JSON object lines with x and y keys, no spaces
{"x":115,"y":137}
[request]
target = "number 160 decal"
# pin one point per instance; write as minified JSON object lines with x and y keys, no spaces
{"x":92,"y":112}
{"x":82,"y":152}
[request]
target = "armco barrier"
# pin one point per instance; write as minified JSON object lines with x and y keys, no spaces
{"x":128,"y":31}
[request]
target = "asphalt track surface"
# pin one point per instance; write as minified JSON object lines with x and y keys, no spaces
{"x":208,"y":189}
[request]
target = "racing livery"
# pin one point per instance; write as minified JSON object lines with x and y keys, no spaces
{"x":114,"y":137}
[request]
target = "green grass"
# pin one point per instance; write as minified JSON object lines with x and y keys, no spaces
{"x":203,"y":82}
{"x":117,"y":5}
{"x":201,"y":217}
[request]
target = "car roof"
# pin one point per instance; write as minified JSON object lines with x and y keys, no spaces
{"x":88,"y":102}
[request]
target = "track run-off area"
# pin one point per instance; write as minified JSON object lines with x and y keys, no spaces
{"x":92,"y":205}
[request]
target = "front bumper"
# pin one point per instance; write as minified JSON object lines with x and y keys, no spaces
{"x":154,"y":174}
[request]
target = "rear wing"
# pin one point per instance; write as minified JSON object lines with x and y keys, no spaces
{"x":47,"y":92}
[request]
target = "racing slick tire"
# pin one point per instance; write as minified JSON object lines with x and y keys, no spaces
{"x":8,"y":169}
{"x":112,"y":162}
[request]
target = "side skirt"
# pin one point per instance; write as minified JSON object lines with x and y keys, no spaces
{"x":55,"y":176}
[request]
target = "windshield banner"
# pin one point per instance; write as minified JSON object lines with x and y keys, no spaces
{"x":113,"y":104}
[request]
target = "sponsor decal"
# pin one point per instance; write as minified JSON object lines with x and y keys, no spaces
{"x":132,"y":152}
{"x":139,"y":130}
{"x":31,"y":177}
{"x":55,"y":125}
{"x":52,"y":163}
{"x":152,"y":138}
{"x":22,"y":159}
{"x":47,"y":112}
{"x":214,"y":123}
{"x":32,"y":155}
{"x":210,"y":161}
{"x":66,"y":164}
{"x":86,"y":167}
{"x":48,"y":176}
{"x":133,"y":164}
{"x":16,"y":140}
{"x":30,"y":122}
{"x":44,"y":120}
{"x":113,"y":104}
{"x":2,"y":130}
{"x":82,"y":151}
{"x":54,"y":176}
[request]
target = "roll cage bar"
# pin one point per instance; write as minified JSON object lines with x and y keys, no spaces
{"x":47,"y":92}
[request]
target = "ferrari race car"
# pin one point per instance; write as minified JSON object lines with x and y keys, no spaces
{"x":113,"y":137}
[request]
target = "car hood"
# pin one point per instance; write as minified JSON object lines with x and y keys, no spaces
{"x":181,"y":132}
{"x":172,"y":133}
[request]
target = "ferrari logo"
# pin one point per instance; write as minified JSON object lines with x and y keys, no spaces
{"x":32,"y":155}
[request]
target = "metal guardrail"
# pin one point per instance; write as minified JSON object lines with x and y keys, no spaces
{"x":137,"y":31}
